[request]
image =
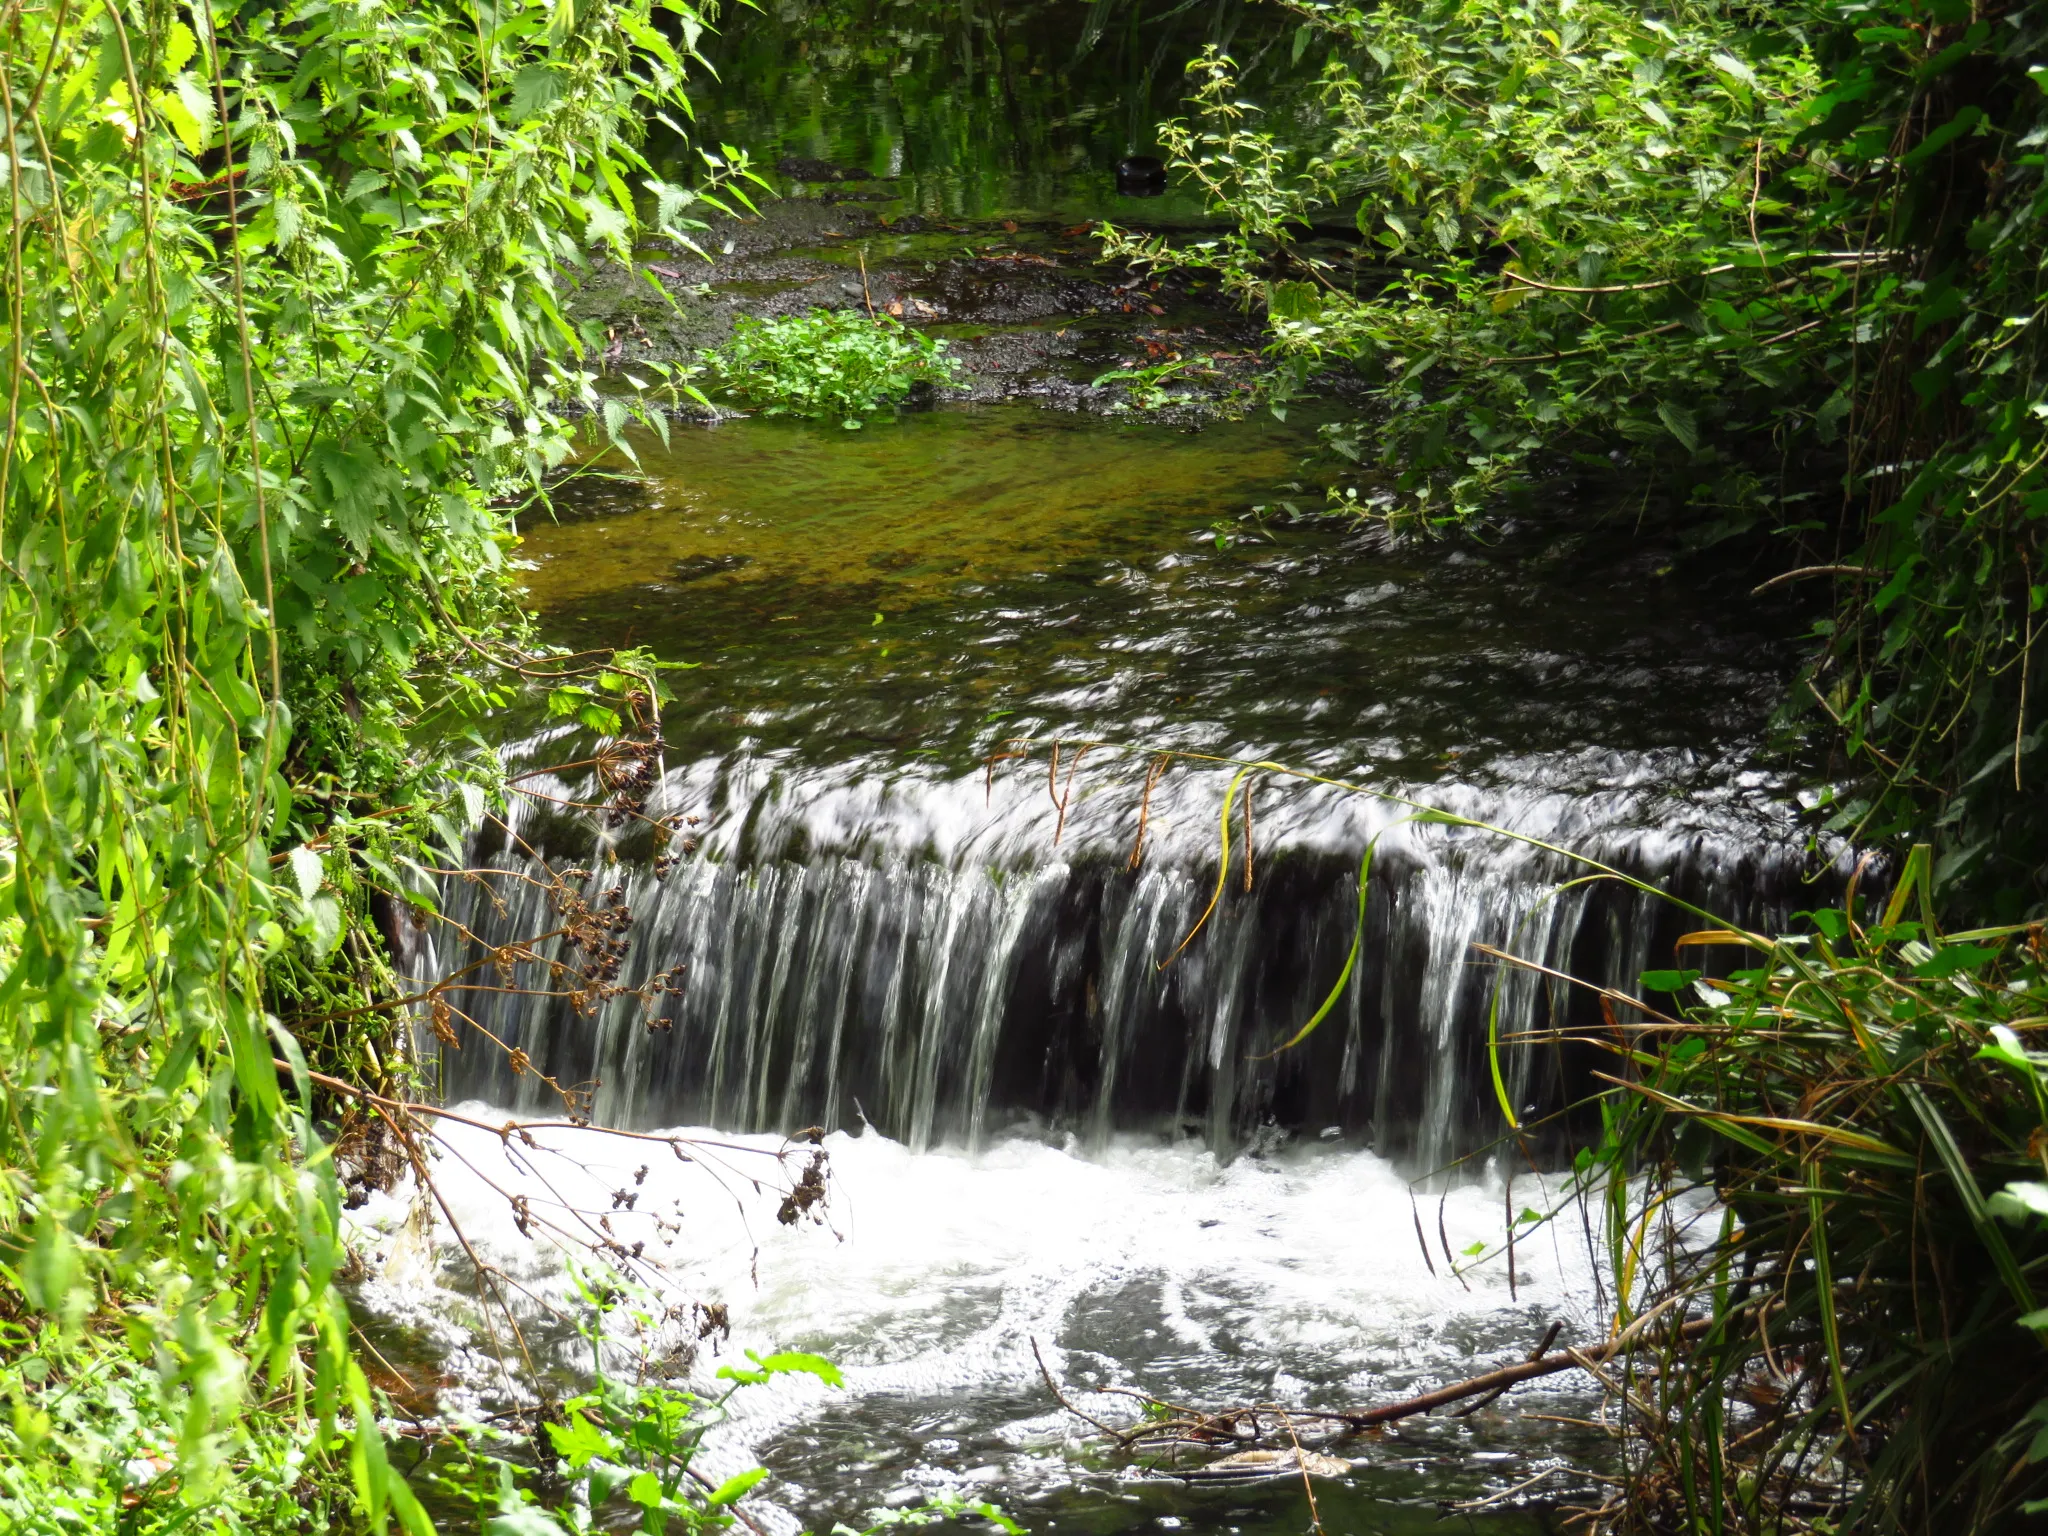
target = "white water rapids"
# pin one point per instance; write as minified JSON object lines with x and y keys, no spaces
{"x":1292,"y":1275}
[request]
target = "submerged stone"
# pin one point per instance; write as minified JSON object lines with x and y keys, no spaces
{"x":1141,"y":176}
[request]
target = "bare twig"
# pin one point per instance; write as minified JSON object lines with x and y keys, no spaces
{"x":1804,"y":571}
{"x":1054,"y":1388}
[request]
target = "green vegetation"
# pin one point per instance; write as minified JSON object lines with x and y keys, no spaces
{"x":280,"y":354}
{"x":1868,"y":1292}
{"x":1013,"y":110}
{"x":831,"y":364}
{"x":623,"y":1446}
{"x":627,"y":1446}
{"x":1821,"y":1184}
{"x":1783,"y":263}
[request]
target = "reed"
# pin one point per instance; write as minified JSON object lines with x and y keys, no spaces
{"x":1824,"y":1157}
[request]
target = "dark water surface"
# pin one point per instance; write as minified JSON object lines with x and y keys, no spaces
{"x":899,"y":598}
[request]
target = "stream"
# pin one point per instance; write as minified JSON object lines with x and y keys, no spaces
{"x":938,"y":875}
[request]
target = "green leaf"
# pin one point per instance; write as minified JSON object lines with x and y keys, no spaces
{"x":1669,"y":981}
{"x":2019,"y":1202}
{"x":2005,"y":1049}
{"x":579,"y":1441}
{"x":1833,"y":923}
{"x":1728,"y":64}
{"x":534,"y":89}
{"x":1294,"y":301}
{"x":810,"y":1365}
{"x":604,"y":224}
{"x":179,"y":46}
{"x":735,"y":1487}
{"x":1681,"y":423}
{"x":1965,"y":119}
{"x":1951,"y":958}
{"x":326,"y":924}
{"x":188,"y":112}
{"x":523,"y":1520}
{"x":307,"y":870}
{"x":605,"y":1478}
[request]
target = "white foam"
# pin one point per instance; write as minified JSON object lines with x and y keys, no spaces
{"x":1294,"y":1277}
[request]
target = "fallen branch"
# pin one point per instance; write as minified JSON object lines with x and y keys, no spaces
{"x":1493,"y":1383}
{"x":1239,"y":1425}
{"x":1537,"y":1353}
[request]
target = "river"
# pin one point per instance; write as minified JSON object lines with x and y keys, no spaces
{"x":938,"y":874}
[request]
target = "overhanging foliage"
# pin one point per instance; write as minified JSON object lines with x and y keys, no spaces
{"x":1786,"y":263}
{"x":280,"y":349}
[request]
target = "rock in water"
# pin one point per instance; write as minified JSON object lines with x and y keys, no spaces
{"x":1141,"y":176}
{"x":697,"y":567}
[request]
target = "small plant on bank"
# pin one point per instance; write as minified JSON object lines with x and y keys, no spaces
{"x":1146,"y":388}
{"x":622,"y":1455}
{"x":830,"y":364}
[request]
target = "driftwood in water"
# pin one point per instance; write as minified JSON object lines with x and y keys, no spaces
{"x":1263,"y":1466}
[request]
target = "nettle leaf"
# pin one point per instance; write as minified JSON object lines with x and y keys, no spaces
{"x":604,"y":224}
{"x":325,"y":925}
{"x":308,"y":871}
{"x":534,"y":89}
{"x":189,"y":111}
{"x":1681,"y":423}
{"x":179,"y":46}
{"x":351,"y":480}
{"x":1728,"y":64}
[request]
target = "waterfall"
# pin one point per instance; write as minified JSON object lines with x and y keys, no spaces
{"x":948,"y":958}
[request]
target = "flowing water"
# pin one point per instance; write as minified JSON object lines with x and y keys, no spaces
{"x":888,"y":920}
{"x":941,"y":1278}
{"x":933,"y":876}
